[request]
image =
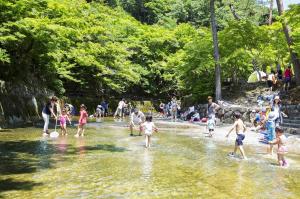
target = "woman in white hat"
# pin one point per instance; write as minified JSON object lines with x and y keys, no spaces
{"x":276,"y":108}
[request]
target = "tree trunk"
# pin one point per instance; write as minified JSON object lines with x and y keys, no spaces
{"x":295,"y":59}
{"x":255,"y":67}
{"x":216,"y":50}
{"x":271,"y":12}
{"x":235,"y":15}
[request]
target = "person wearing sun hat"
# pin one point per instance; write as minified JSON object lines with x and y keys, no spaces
{"x":270,"y":126}
{"x":276,"y":108}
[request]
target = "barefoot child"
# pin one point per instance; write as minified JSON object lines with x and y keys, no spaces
{"x":63,"y":121}
{"x":211,"y":125}
{"x":282,"y":149}
{"x":82,"y":120}
{"x":240,"y":130}
{"x":148,"y":128}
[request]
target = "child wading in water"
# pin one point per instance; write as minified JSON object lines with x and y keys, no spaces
{"x":63,"y":121}
{"x":282,"y":149}
{"x":148,"y":128}
{"x":82,"y":120}
{"x":240,"y":130}
{"x":211,"y":125}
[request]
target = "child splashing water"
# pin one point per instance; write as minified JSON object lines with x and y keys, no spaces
{"x":63,"y":121}
{"x":240,"y":129}
{"x":282,"y":149}
{"x":82,"y":120}
{"x":148,"y":128}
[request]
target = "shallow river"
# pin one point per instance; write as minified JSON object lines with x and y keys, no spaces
{"x":108,"y":163}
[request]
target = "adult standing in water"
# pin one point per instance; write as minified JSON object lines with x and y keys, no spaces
{"x":212,"y":108}
{"x":136,"y":118}
{"x":120,"y":107}
{"x":47,"y":112}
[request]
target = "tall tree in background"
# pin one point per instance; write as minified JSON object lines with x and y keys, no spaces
{"x":270,"y":12}
{"x":216,"y":50}
{"x":286,"y":30}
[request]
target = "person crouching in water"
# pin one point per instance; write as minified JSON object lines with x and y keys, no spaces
{"x":63,"y":121}
{"x":148,"y":127}
{"x":82,"y":120}
{"x":282,"y":149}
{"x":240,"y":130}
{"x":136,"y":118}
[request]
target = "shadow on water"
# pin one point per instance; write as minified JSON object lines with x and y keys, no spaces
{"x":24,"y":156}
{"x":106,"y":147}
{"x":10,"y":184}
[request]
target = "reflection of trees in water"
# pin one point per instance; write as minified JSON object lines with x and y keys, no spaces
{"x":147,"y":164}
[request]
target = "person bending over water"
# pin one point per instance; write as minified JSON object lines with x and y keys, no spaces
{"x":282,"y":149}
{"x":148,"y":128}
{"x":82,"y":120}
{"x":240,"y":130}
{"x":47,"y":112}
{"x":136,"y":118}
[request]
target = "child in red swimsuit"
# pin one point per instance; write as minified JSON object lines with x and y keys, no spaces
{"x":82,"y":120}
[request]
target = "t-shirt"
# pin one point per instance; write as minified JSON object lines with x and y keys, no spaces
{"x":270,"y":77}
{"x":121,"y":104}
{"x":288,"y":73}
{"x":47,"y":108}
{"x":211,"y":109}
{"x":104,"y":105}
{"x":136,"y":118}
{"x":148,"y":128}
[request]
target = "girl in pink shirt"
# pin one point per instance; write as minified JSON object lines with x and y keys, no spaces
{"x":82,"y":120}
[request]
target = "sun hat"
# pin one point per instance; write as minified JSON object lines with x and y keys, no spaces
{"x":277,"y":98}
{"x":271,"y":116}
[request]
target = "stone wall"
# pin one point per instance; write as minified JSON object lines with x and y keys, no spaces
{"x":21,"y":103}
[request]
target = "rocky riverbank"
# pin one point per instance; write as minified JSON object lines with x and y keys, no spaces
{"x":21,"y":104}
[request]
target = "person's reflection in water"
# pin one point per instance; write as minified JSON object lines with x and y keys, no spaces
{"x":147,"y":165}
{"x":62,"y":146}
{"x":80,"y":145}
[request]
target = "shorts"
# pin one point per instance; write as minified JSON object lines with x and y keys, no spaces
{"x":148,"y":133}
{"x":271,"y":132}
{"x":239,"y":139}
{"x":63,"y":124}
{"x":287,"y":80}
{"x":270,"y":83}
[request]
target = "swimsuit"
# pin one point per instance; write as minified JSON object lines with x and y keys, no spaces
{"x":83,"y":118}
{"x":63,"y":120}
{"x":239,"y":138}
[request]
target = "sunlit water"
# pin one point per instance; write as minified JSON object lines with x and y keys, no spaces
{"x":108,"y":163}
